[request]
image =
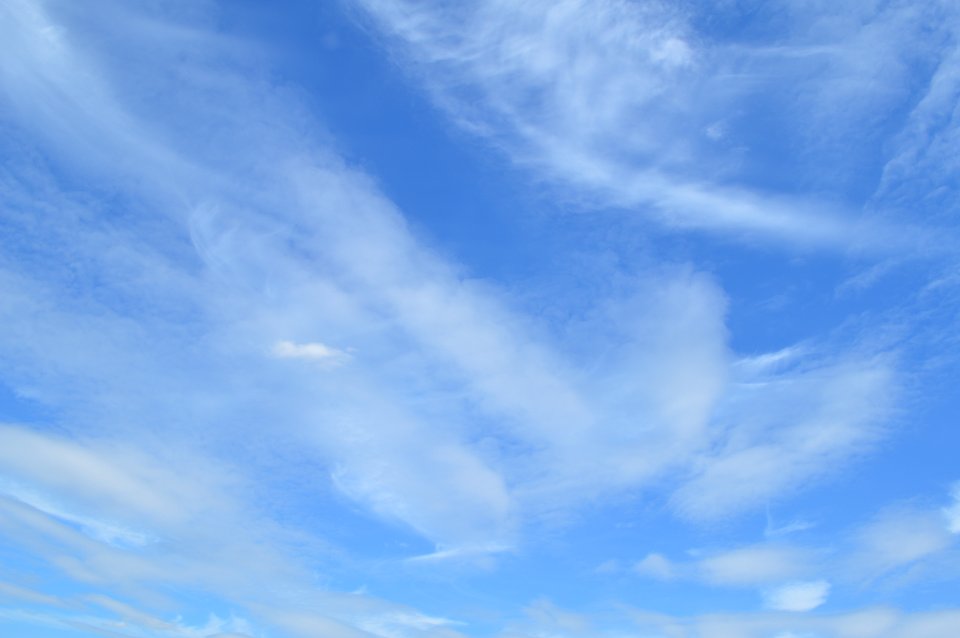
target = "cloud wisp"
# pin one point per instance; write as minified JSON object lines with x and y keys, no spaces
{"x":897,"y":547}
{"x":628,"y":105}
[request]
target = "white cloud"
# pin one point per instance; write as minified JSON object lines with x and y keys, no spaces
{"x":786,"y":428}
{"x":922,"y":159}
{"x":30,"y":596}
{"x":798,"y":596}
{"x":656,"y":566}
{"x":128,"y":612}
{"x":609,"y":99}
{"x":902,"y":545}
{"x":399,"y":624}
{"x":876,"y":622}
{"x":87,"y":617}
{"x":120,"y":481}
{"x":313,"y":351}
{"x":792,"y":527}
{"x":545,"y":615}
{"x":201,"y":530}
{"x":401,"y":483}
{"x":952,"y":512}
{"x":747,"y":566}
{"x":900,"y":537}
{"x":755,"y":565}
{"x":101,"y":530}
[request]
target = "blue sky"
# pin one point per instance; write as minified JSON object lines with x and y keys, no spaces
{"x":397,"y":319}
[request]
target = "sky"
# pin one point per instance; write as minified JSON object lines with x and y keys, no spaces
{"x":479,"y":319}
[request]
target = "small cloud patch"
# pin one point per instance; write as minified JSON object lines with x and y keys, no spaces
{"x":311,"y":351}
{"x":656,"y":566}
{"x":798,"y":596}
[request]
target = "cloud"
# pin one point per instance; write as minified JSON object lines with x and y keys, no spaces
{"x":102,"y":530}
{"x":901,"y":545}
{"x":543,"y":617}
{"x":899,"y":537}
{"x":817,"y":417}
{"x":921,"y":160}
{"x":793,"y":527}
{"x":311,"y":351}
{"x":201,"y":532}
{"x":952,"y":512}
{"x":799,"y":596}
{"x":399,"y":624}
{"x":745,"y":566}
{"x":875,"y":622}
{"x":656,"y":566}
{"x":754,"y":565}
{"x":615,"y":102}
{"x":225,"y":563}
{"x":118,"y":482}
{"x":31,"y":596}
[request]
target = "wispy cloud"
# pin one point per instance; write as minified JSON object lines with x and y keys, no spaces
{"x":799,"y":596}
{"x":622,"y":104}
{"x":897,"y":546}
{"x":656,"y":566}
{"x":900,"y":537}
{"x":875,"y":622}
{"x":753,"y":459}
{"x":755,"y":565}
{"x":952,"y":511}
